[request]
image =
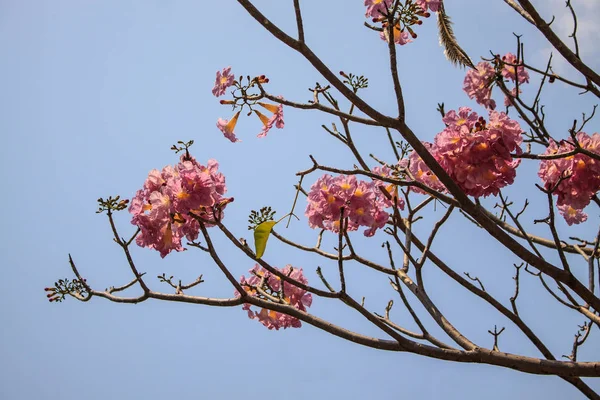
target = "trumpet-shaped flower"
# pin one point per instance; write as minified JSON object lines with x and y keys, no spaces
{"x":227,"y":127}
{"x":401,"y":36}
{"x":275,"y":120}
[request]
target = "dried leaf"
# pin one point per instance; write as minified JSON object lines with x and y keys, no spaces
{"x":452,"y":50}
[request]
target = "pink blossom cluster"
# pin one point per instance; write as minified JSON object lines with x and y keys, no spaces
{"x":362,"y":202}
{"x":276,"y":120}
{"x":161,"y":209}
{"x":223,"y":80}
{"x":478,"y":83}
{"x":406,"y":16}
{"x":579,"y":176}
{"x":421,"y":172}
{"x":391,"y":189}
{"x":271,"y":285}
{"x":475,"y":153}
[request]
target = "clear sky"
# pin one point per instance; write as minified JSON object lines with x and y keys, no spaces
{"x":92,"y":96}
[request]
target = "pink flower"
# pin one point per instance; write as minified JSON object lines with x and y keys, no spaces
{"x":391,"y":189}
{"x":162,"y":208}
{"x":278,"y":117}
{"x":377,"y":8}
{"x":509,"y":135}
{"x":401,"y":37}
{"x":227,"y":127}
{"x":421,"y":172}
{"x":509,"y":101}
{"x":362,"y":202}
{"x":463,"y":117}
{"x":514,"y":73}
{"x":271,"y":285}
{"x":433,"y":5}
{"x":572,"y":215}
{"x":581,"y":173}
{"x":223,"y":80}
{"x":478,"y":84}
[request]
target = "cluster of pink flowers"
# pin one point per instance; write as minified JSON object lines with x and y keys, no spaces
{"x":162,"y":208}
{"x":225,"y":79}
{"x":475,"y":153}
{"x":363,"y":203}
{"x":406,"y":16}
{"x":421,"y":172}
{"x":478,"y":83}
{"x":390,"y":188}
{"x":579,"y":176}
{"x":271,"y":285}
{"x":378,"y":8}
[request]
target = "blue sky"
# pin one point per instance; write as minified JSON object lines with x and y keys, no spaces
{"x":93,"y":94}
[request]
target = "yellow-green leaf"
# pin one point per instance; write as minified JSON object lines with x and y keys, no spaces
{"x":261,"y":235}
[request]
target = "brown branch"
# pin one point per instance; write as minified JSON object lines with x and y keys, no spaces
{"x":465,"y":203}
{"x":125,"y":246}
{"x":394,"y":64}
{"x":299,"y":23}
{"x":558,"y":44}
{"x":217,"y":259}
{"x":340,"y":257}
{"x":518,"y":9}
{"x":535,"y":239}
{"x":320,"y":107}
{"x":250,"y":254}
